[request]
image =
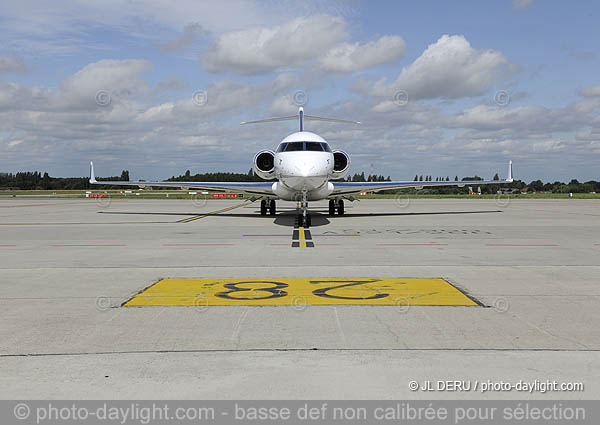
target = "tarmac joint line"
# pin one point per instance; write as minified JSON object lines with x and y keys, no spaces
{"x":197,"y":217}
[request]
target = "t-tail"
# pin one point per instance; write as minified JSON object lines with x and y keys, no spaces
{"x":301,"y":116}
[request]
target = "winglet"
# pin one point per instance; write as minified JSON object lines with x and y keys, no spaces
{"x":509,"y":179}
{"x":92,"y":175}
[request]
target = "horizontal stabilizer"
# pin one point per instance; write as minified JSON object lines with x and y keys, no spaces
{"x":291,"y":117}
{"x":313,"y":118}
{"x":301,"y":117}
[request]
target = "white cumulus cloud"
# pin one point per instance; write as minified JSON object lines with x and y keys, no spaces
{"x":262,"y":49}
{"x":118,"y":78}
{"x":448,"y":68}
{"x":349,"y":57}
{"x":314,"y":42}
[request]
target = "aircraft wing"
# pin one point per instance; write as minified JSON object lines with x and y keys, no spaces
{"x":251,"y":188}
{"x":351,"y":188}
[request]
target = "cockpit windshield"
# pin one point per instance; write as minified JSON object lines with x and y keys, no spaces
{"x":303,"y":146}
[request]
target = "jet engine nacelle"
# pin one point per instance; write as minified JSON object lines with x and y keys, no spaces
{"x":341,"y":164}
{"x":264,"y":164}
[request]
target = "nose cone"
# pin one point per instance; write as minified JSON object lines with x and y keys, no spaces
{"x":305,"y":170}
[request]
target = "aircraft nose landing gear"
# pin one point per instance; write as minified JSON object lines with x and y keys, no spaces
{"x":303,"y":216}
{"x":304,"y":221}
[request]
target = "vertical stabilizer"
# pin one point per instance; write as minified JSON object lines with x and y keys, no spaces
{"x":509,"y":179}
{"x":92,"y":175}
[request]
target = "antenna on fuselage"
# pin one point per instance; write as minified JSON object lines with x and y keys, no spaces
{"x":301,"y":117}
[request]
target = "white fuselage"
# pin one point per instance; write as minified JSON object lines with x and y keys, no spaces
{"x":303,"y":164}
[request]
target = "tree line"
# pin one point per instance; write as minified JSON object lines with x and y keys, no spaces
{"x":29,"y":180}
{"x":252,"y":177}
{"x":37,"y":181}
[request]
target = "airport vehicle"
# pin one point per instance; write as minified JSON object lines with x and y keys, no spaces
{"x":303,"y":166}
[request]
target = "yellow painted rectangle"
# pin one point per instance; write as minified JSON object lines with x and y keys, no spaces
{"x":329,"y":291}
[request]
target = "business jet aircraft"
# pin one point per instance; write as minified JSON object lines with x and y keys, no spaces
{"x":303,"y":166}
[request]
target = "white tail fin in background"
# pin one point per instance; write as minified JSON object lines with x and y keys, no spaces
{"x":509,"y":179}
{"x":300,"y":117}
{"x":92,"y":175}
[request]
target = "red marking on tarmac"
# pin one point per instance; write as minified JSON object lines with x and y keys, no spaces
{"x":7,"y":246}
{"x":518,"y":244}
{"x":198,"y":244}
{"x":225,"y":195}
{"x":412,"y":244}
{"x":595,"y":215}
{"x":108,"y":245}
{"x":597,"y":244}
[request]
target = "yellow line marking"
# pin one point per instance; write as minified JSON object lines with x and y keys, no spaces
{"x":301,"y":237}
{"x":263,"y":235}
{"x":401,"y":292}
{"x":187,"y":220}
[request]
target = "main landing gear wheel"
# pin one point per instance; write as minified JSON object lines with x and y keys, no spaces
{"x":336,"y":205}
{"x":268,"y":204}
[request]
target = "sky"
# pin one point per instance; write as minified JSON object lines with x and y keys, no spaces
{"x":440,"y":88}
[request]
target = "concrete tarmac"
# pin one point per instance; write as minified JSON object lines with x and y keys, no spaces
{"x":67,"y":266}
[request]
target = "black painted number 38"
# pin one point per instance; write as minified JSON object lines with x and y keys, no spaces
{"x":276,"y":291}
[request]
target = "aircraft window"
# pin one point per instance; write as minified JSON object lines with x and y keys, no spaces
{"x":314,"y":146}
{"x":303,"y":146}
{"x":294,"y":146}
